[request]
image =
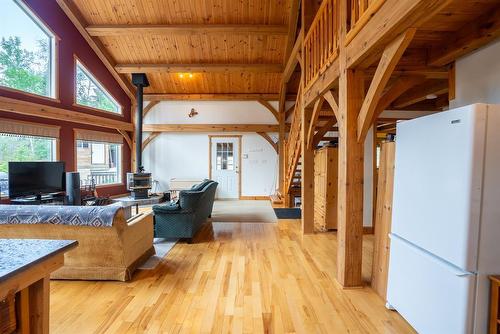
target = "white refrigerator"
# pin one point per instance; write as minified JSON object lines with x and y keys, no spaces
{"x":445,"y":238}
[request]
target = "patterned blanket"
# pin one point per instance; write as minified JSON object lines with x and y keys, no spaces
{"x":95,"y":216}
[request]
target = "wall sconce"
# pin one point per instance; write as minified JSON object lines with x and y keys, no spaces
{"x":192,"y":113}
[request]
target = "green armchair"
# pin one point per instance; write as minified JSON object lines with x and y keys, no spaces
{"x":184,"y":219}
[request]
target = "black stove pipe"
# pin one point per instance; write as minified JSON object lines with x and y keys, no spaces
{"x":138,"y":130}
{"x":140,"y":80}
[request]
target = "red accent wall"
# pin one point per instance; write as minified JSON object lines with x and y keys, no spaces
{"x":71,"y":44}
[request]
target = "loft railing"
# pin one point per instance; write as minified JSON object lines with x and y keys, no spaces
{"x":293,"y":145}
{"x":360,"y":12}
{"x":321,"y":42}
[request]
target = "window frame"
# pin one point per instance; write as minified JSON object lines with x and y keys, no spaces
{"x":53,"y":54}
{"x":77,"y":61}
{"x":57,"y":153}
{"x":122,"y":160}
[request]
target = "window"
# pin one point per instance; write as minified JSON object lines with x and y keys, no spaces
{"x":225,"y":157}
{"x":98,"y":162}
{"x":26,"y":51}
{"x":14,"y":147}
{"x":90,"y":93}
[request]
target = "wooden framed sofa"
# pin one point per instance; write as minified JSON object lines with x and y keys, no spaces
{"x":110,"y":246}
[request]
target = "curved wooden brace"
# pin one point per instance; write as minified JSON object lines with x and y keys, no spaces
{"x":148,"y":108}
{"x":314,"y":119}
{"x":270,"y":108}
{"x":332,"y":102}
{"x":126,"y":136}
{"x":269,"y":140}
{"x":390,"y":58}
{"x":150,"y":138}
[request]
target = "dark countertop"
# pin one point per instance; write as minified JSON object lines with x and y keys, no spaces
{"x":17,"y":255}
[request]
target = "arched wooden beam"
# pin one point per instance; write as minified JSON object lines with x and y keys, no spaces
{"x":126,"y":136}
{"x":269,"y":140}
{"x":332,"y":102}
{"x":270,"y":108}
{"x":150,"y":138}
{"x":314,"y":119}
{"x":390,"y":58}
{"x":149,"y":107}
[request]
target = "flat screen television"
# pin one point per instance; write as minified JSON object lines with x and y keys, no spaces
{"x":35,"y":178}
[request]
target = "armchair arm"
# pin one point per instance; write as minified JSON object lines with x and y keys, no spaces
{"x":171,"y":208}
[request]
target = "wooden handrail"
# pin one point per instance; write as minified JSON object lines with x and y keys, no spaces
{"x":292,"y":144}
{"x":321,"y":41}
{"x":361,"y":11}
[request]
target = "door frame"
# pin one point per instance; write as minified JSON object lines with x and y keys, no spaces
{"x":210,"y":137}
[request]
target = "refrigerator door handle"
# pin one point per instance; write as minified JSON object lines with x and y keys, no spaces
{"x":456,"y":271}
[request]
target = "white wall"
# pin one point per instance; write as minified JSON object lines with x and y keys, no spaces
{"x":478,"y":77}
{"x":186,"y":155}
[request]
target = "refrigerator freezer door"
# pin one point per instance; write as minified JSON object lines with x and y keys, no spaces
{"x":433,"y":296}
{"x":437,"y":183}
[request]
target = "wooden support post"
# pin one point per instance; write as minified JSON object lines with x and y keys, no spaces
{"x":351,"y":171}
{"x":39,"y":306}
{"x":307,"y":174}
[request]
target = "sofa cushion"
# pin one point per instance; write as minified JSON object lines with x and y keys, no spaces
{"x":94,"y":216}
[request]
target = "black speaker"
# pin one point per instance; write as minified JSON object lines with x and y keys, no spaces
{"x":73,"y":188}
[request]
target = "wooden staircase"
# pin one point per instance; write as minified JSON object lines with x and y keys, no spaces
{"x":292,"y":186}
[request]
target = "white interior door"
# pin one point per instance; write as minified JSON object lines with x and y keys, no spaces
{"x":225,"y":166}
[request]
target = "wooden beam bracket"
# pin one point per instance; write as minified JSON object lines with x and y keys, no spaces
{"x":270,"y":108}
{"x":390,"y":58}
{"x":269,"y":140}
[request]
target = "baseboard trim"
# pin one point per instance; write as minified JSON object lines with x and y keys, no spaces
{"x":254,"y":198}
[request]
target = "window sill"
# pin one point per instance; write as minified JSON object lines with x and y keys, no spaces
{"x":110,"y":185}
{"x":99,"y":110}
{"x":37,"y":96}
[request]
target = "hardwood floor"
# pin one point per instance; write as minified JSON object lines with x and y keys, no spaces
{"x":236,"y":278}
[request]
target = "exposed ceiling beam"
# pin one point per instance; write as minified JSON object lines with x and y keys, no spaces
{"x":467,"y":39}
{"x":216,"y":97}
{"x":78,"y":20}
{"x":49,"y":112}
{"x":198,"y":68}
{"x":420,"y":93}
{"x":187,"y":29}
{"x":425,"y":71}
{"x":210,"y":127}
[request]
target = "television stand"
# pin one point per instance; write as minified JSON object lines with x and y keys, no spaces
{"x":49,"y":199}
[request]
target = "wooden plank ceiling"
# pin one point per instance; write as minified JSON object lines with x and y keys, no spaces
{"x":226,"y":32}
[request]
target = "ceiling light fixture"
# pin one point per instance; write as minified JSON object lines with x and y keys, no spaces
{"x":431,"y":97}
{"x":181,"y":75}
